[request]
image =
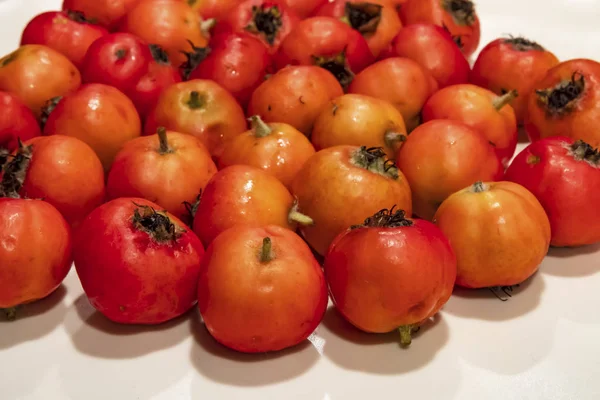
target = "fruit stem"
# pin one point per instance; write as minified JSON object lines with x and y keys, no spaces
{"x":260,"y":128}
{"x":207,"y":25}
{"x":500,"y":101}
{"x":405,"y":335}
{"x":296,"y":216}
{"x":15,"y":171}
{"x":11,"y":313}
{"x":480,"y":187}
{"x":164,"y":142}
{"x":266,"y":252}
{"x":393,"y":138}
{"x":195,"y":101}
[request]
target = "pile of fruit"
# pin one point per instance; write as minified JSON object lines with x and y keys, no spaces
{"x":256,"y":157}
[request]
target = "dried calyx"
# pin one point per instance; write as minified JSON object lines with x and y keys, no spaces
{"x":15,"y":171}
{"x":4,"y":153}
{"x":156,"y":224}
{"x":462,"y":11}
{"x":266,"y":21}
{"x":385,"y":218}
{"x":338,"y":66}
{"x":521,"y":44}
{"x":363,"y":17}
{"x":10,"y":313}
{"x":375,"y":160}
{"x":79,"y":17}
{"x":584,"y":152}
{"x":192,"y":208}
{"x":455,"y":38}
{"x":194,"y":58}
{"x":47,"y":109}
{"x":562,"y":97}
{"x":480,"y":187}
{"x":159,"y":54}
{"x":259,"y":127}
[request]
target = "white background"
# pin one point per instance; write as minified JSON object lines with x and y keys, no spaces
{"x":541,"y":344}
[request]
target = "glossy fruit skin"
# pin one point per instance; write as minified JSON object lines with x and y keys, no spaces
{"x":282,"y":153}
{"x":169,"y":179}
{"x":240,"y":17}
{"x":324,"y":37}
{"x":34,"y":81}
{"x":337,"y":194}
{"x":463,"y":156}
{"x":128,"y":276}
{"x":305,"y":8}
{"x":214,"y":119}
{"x":35,"y":249}
{"x":566,"y":187}
{"x":389,"y":24}
{"x":99,"y":115}
{"x":358,"y":120}
{"x":64,"y":31}
{"x":238,"y":61}
{"x":501,"y":67}
{"x":17,"y":121}
{"x":408,"y":86}
{"x":280,"y":303}
{"x":581,"y":119}
{"x":241,"y":195}
{"x":118,"y":59}
{"x":500,"y":236}
{"x":107,"y":12}
{"x":474,"y":106}
{"x":65,"y":172}
{"x":171,"y":24}
{"x":383,"y":278}
{"x":433,"y":12}
{"x":433,"y":48}
{"x":295,"y":95}
{"x":159,"y":75}
{"x":216,"y":9}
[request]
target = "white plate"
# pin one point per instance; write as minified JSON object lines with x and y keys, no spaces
{"x":541,"y":344}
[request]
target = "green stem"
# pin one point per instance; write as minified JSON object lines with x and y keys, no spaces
{"x":11,"y":313}
{"x":164,"y":143}
{"x":405,"y":335}
{"x":507,"y":98}
{"x":296,"y":216}
{"x":392,"y":138}
{"x":260,"y":128}
{"x":266,"y":252}
{"x":195,"y":101}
